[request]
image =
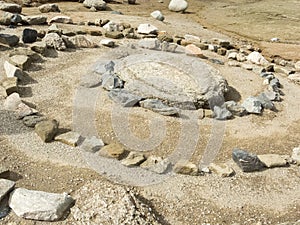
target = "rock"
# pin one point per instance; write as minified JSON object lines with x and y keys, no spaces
{"x":97,"y":4}
{"x":107,"y":43}
{"x":47,"y":130}
{"x":168,"y":47}
{"x":296,"y":155}
{"x":10,"y":7}
{"x":10,"y":85}
{"x":246,"y":161}
{"x":133,"y":159}
{"x":146,"y":28}
{"x":192,"y":39}
{"x":124,"y":98}
{"x":6,"y":18}
{"x":114,"y":34}
{"x":131,"y":2}
{"x":15,"y":19}
{"x":157,"y":106}
{"x":32,"y":120}
{"x":297,"y":66}
{"x":272,"y":95}
{"x":265,"y":101}
{"x":150,"y":43}
{"x":235,"y":109}
{"x":155,"y":164}
{"x":8,"y":39}
{"x":61,"y":19}
{"x":111,"y":81}
{"x":39,"y":47}
{"x":114,"y":150}
{"x":186,"y":168}
{"x":193,"y":50}
{"x":35,"y":20}
{"x":232,"y":55}
{"x":3,"y":93}
{"x":241,"y":57}
{"x":53,"y":28}
{"x":252,"y":105}
{"x":39,"y":205}
{"x":70,"y":138}
{"x":81,"y":41}
{"x":222,"y":51}
{"x":157,"y":15}
{"x":222,"y":170}
{"x":12,"y":71}
{"x":29,"y":35}
{"x":233,"y":63}
{"x":294,"y":77}
{"x":46,"y":8}
{"x":33,"y":56}
{"x":257,"y":58}
{"x":24,"y":110}
{"x":92,"y":144}
{"x":6,"y":186}
{"x":112,"y":26}
{"x":21,"y":61}
{"x":178,"y":5}
{"x":272,"y":160}
{"x":222,"y":113}
{"x":53,"y":40}
{"x":212,"y":48}
{"x":12,"y":102}
{"x":280,"y":69}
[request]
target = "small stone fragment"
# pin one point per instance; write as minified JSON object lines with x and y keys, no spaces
{"x":222,"y":113}
{"x":114,"y":34}
{"x":8,"y":39}
{"x":47,"y":130}
{"x":155,"y":164}
{"x":257,"y":58}
{"x":113,"y":150}
{"x":186,"y":168}
{"x":150,"y":43}
{"x":92,"y":144}
{"x":70,"y":138}
{"x":46,"y":8}
{"x":35,"y":20}
{"x":272,"y":160}
{"x":157,"y":106}
{"x":12,"y":71}
{"x":246,"y":161}
{"x":235,"y":108}
{"x":124,"y":98}
{"x":81,"y":41}
{"x":24,"y":110}
{"x":147,"y":29}
{"x":61,"y":19}
{"x":5,"y":187}
{"x":53,"y":40}
{"x":21,"y":61}
{"x":133,"y":159}
{"x":222,"y":170}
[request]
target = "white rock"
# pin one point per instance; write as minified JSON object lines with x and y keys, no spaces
{"x":111,"y":26}
{"x":274,"y":39}
{"x":38,"y":205}
{"x":70,"y":138}
{"x":178,"y":5}
{"x":232,"y":55}
{"x":272,"y":160}
{"x":297,"y":66}
{"x":222,"y":170}
{"x":252,"y":105}
{"x":24,"y":110}
{"x":294,"y":77}
{"x":12,"y":71}
{"x":107,"y":43}
{"x":296,"y":155}
{"x":157,"y":15}
{"x":97,"y":4}
{"x":192,"y":38}
{"x":61,"y":19}
{"x":5,"y":187}
{"x":257,"y":58}
{"x":12,"y":102}
{"x":147,"y":29}
{"x":150,"y":43}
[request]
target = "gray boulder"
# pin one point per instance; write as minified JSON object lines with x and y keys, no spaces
{"x":9,"y":39}
{"x":47,"y":130}
{"x":124,"y":98}
{"x":246,"y":161}
{"x":253,"y":105}
{"x":222,"y":113}
{"x":235,"y":108}
{"x":265,"y":101}
{"x":10,"y":7}
{"x":178,"y":5}
{"x":159,"y":107}
{"x":97,"y":4}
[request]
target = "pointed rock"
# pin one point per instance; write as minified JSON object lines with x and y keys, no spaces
{"x":246,"y":161}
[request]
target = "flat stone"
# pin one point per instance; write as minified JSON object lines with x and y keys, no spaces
{"x":178,"y":5}
{"x":5,"y":187}
{"x":124,"y":98}
{"x":114,"y":34}
{"x":97,"y":4}
{"x":9,"y":39}
{"x":158,"y":107}
{"x":35,"y":20}
{"x":295,"y":77}
{"x":53,"y":40}
{"x":12,"y":102}
{"x":39,"y":47}
{"x":272,"y":160}
{"x":257,"y":58}
{"x":70,"y":138}
{"x":32,"y":120}
{"x":147,"y":28}
{"x":24,"y":110}
{"x":296,"y":155}
{"x":39,"y":205}
{"x":107,"y":43}
{"x":222,"y":170}
{"x":21,"y":61}
{"x":168,"y":47}
{"x":150,"y":43}
{"x":133,"y":159}
{"x":222,"y":113}
{"x":193,"y":50}
{"x":246,"y":161}
{"x":81,"y":41}
{"x":253,"y":105}
{"x":33,"y":56}
{"x":12,"y":71}
{"x":113,"y":150}
{"x":46,"y":8}
{"x":157,"y":15}
{"x":29,"y":35}
{"x":10,"y":85}
{"x":92,"y":144}
{"x":6,"y":18}
{"x":155,"y":164}
{"x":10,"y":7}
{"x":61,"y":19}
{"x":186,"y":168}
{"x":47,"y":130}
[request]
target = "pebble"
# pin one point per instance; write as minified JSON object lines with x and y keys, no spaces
{"x":185,"y":167}
{"x":133,"y":159}
{"x":157,"y":15}
{"x":70,"y":138}
{"x":178,"y":5}
{"x":193,"y":50}
{"x":113,"y":150}
{"x":47,"y":130}
{"x":147,"y":29}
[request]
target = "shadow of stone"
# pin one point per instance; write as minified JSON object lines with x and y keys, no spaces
{"x":11,"y":175}
{"x":232,"y":95}
{"x":51,"y":53}
{"x":26,"y":79}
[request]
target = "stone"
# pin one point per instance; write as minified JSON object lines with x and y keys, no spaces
{"x":191,"y":39}
{"x":233,"y":63}
{"x":168,"y":47}
{"x":164,"y":36}
{"x":81,"y":41}
{"x":10,"y":85}
{"x":15,"y":19}
{"x":235,"y":108}
{"x":213,"y":48}
{"x":133,"y":159}
{"x":47,"y":130}
{"x":9,"y":39}
{"x":186,"y":168}
{"x":97,"y":4}
{"x":29,"y":35}
{"x":32,"y":120}
{"x":6,"y":186}
{"x":246,"y":161}
{"x":272,"y":160}
{"x":33,"y":56}
{"x":39,"y":205}
{"x":70,"y":138}
{"x":113,"y":150}
{"x":6,"y":18}
{"x":35,"y":20}
{"x":111,"y":81}
{"x":296,"y":155}
{"x":12,"y":71}
{"x":112,"y":26}
{"x":294,"y":77}
{"x":193,"y":50}
{"x":157,"y":106}
{"x":124,"y":98}
{"x":222,"y":51}
{"x":114,"y":34}
{"x":131,"y":2}
{"x":257,"y":58}
{"x":232,"y":55}
{"x":147,"y":28}
{"x":21,"y":61}
{"x":157,"y":15}
{"x":39,"y":47}
{"x":53,"y":40}
{"x":178,"y":5}
{"x":10,"y":7}
{"x":252,"y":105}
{"x":223,"y":170}
{"x":265,"y":101}
{"x":108,"y":43}
{"x":24,"y":110}
{"x":46,"y":8}
{"x":297,"y":66}
{"x":92,"y":144}
{"x":241,"y":57}
{"x":61,"y":19}
{"x":53,"y":28}
{"x":155,"y":164}
{"x":150,"y":43}
{"x":12,"y":102}
{"x":222,"y":113}
{"x":284,"y":70}
{"x":3,"y":93}
{"x":272,"y":95}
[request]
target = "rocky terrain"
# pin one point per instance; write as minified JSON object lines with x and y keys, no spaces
{"x":149,"y":112}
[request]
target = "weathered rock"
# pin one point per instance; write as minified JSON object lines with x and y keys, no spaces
{"x":246,"y":161}
{"x":110,"y":81}
{"x":47,"y":130}
{"x":107,"y":43}
{"x":186,"y":168}
{"x":235,"y":109}
{"x":257,"y":58}
{"x":35,"y":20}
{"x":21,"y":61}
{"x":70,"y":138}
{"x":265,"y":101}
{"x":150,"y":43}
{"x":157,"y":15}
{"x":38,"y":205}
{"x":295,"y":77}
{"x":3,"y":93}
{"x":33,"y":56}
{"x":53,"y":40}
{"x":113,"y":150}
{"x":10,"y":85}
{"x":39,"y":47}
{"x":6,"y":18}
{"x":178,"y":5}
{"x":147,"y":29}
{"x":133,"y":159}
{"x":222,"y":113}
{"x":61,"y":19}
{"x":5,"y":187}
{"x":92,"y":144}
{"x":32,"y":120}
{"x":131,"y":2}
{"x":232,"y":55}
{"x":168,"y":47}
{"x":12,"y":71}
{"x":81,"y":41}
{"x":24,"y":110}
{"x":155,"y":164}
{"x":296,"y":155}
{"x":8,"y":39}
{"x":272,"y":160}
{"x":193,"y":50}
{"x":252,"y":105}
{"x":112,"y":26}
{"x":10,"y":7}
{"x":272,"y":95}
{"x":114,"y":34}
{"x":49,"y":8}
{"x":29,"y":35}
{"x":124,"y":98}
{"x":297,"y":66}
{"x":222,"y":170}
{"x":159,"y":107}
{"x":12,"y":102}
{"x":97,"y":4}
